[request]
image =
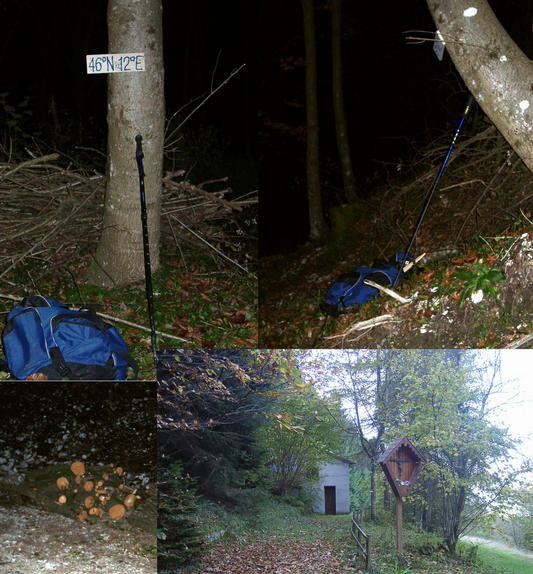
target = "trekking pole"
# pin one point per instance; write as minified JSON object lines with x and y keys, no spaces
{"x":146,"y":245}
{"x":432,"y":192}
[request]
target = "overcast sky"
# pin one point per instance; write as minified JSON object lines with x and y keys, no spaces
{"x":513,"y":406}
{"x":516,"y":411}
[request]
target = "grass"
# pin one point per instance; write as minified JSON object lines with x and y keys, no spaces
{"x":259,"y":520}
{"x":504,"y":562}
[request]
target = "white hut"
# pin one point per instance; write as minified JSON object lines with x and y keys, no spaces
{"x":332,"y":491}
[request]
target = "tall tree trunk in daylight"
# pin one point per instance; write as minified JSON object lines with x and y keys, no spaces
{"x":496,"y":71}
{"x":135,"y":104}
{"x":317,"y":225}
{"x":341,"y":128}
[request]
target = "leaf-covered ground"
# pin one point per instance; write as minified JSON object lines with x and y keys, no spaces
{"x":205,"y":291}
{"x":196,"y":301}
{"x":477,"y":236}
{"x":316,"y":544}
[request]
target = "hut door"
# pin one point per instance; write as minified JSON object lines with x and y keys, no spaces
{"x":330,"y":498}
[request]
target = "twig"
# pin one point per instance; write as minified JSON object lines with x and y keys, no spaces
{"x":213,"y":247}
{"x":412,"y":263}
{"x":208,"y":97}
{"x":137,"y":326}
{"x":520,"y":342}
{"x":368,"y":324}
{"x":35,"y":162}
{"x":386,"y":290}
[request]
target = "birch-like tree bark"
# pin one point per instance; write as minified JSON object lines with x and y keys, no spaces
{"x":135,"y":104}
{"x":498,"y":74}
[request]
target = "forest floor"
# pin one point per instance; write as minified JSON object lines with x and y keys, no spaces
{"x":205,"y":290}
{"x":316,"y":544}
{"x":477,"y":236}
{"x":37,"y":542}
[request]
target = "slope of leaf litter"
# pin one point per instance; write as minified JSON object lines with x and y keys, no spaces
{"x":52,"y":210}
{"x":201,"y":304}
{"x":480,"y":214}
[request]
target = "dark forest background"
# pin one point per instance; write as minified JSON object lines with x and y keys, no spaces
{"x":47,"y":99}
{"x":398,"y":96}
{"x":398,"y":99}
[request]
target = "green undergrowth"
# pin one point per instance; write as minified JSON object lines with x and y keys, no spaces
{"x":472,"y":297}
{"x":197,"y":299}
{"x":257,"y":516}
{"x":501,"y":561}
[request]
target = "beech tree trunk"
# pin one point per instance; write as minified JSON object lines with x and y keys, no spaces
{"x":135,"y":103}
{"x":317,"y":225}
{"x":341,"y":129}
{"x":496,"y":71}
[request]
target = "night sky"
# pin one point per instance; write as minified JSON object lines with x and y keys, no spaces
{"x":398,"y":97}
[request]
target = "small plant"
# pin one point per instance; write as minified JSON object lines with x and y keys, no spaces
{"x":401,"y":570}
{"x":479,"y":279}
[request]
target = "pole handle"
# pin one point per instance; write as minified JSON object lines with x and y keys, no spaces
{"x":139,"y":150}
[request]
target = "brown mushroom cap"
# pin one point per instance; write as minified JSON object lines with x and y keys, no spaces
{"x":88,"y":485}
{"x":119,"y":470}
{"x":82,"y":516}
{"x":117,"y":511}
{"x":130,"y":500}
{"x":77,"y":468}
{"x":96,"y":511}
{"x":89,"y":501}
{"x":62,"y":499}
{"x":62,"y":483}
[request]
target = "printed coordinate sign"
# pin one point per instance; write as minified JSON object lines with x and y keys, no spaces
{"x":113,"y":63}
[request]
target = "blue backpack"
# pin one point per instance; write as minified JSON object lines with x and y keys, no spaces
{"x":350,"y":290}
{"x":45,"y":336}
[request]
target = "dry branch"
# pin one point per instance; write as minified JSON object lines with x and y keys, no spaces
{"x":386,"y":290}
{"x":50,"y":213}
{"x":364,"y":325}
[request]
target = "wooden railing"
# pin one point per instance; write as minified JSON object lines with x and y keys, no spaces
{"x":362,"y":540}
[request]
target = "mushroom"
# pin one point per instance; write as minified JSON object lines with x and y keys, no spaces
{"x":119,"y":470}
{"x":88,"y":485}
{"x":77,"y":468}
{"x":62,"y":499}
{"x":130,"y":500}
{"x":117,"y":511}
{"x":89,"y":501}
{"x":62,"y":483}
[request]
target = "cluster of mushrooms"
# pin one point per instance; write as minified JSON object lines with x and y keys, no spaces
{"x":97,"y":493}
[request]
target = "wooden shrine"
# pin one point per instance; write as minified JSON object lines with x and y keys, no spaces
{"x":401,"y":463}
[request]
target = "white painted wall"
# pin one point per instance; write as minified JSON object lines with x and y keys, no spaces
{"x":332,"y":474}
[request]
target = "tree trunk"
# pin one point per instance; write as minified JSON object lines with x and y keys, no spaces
{"x":373,"y":498}
{"x":386,"y":494}
{"x":341,"y":129}
{"x":135,"y":105}
{"x":496,"y":71}
{"x":317,"y":224}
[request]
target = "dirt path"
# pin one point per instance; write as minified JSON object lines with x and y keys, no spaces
{"x":38,"y":542}
{"x":499,"y":546}
{"x":277,"y":556}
